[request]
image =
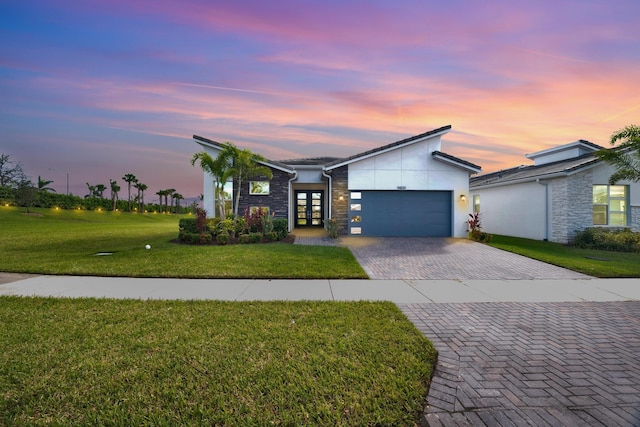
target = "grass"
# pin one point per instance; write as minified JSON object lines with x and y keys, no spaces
{"x":66,"y":242}
{"x":588,"y":261}
{"x":128,"y":362}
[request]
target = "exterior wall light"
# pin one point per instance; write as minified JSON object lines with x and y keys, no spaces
{"x":463,"y":198}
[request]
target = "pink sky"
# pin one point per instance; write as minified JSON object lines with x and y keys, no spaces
{"x":98,"y":89}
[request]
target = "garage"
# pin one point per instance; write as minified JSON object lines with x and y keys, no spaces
{"x":401,"y":213}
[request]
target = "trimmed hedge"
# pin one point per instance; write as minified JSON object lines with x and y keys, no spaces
{"x":617,"y":240}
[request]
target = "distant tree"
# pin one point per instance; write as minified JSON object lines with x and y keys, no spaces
{"x":141,"y":189}
{"x":42,"y":185}
{"x":25,"y":193}
{"x":115,"y":189}
{"x":626,"y":157}
{"x":220,"y":169}
{"x":129,"y":179}
{"x":11,"y":175}
{"x":92,"y":191}
{"x":176,"y":198}
{"x":160,"y":194}
{"x":100,"y":188}
{"x":169,"y":194}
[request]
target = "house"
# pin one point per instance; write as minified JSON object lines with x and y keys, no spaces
{"x":406,"y":188}
{"x":565,"y":191}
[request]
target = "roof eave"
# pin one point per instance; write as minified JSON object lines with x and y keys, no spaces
{"x":468,"y":167}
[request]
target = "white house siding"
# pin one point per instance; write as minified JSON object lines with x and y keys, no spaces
{"x":514,"y":210}
{"x":413,"y":168}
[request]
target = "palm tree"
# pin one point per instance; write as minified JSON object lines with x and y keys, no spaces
{"x":42,"y":185}
{"x":246,"y":166}
{"x":626,"y":157}
{"x":169,"y":193}
{"x":100,"y":190}
{"x":160,"y":193}
{"x":115,"y":188}
{"x":129,"y":178}
{"x":220,"y":169}
{"x":177,"y":197}
{"x":92,"y":190}
{"x":141,"y":188}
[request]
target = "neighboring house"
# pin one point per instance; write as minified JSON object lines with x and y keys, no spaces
{"x":565,"y":191}
{"x":407,"y":188}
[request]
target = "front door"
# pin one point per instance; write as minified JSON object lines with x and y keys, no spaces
{"x":309,"y":208}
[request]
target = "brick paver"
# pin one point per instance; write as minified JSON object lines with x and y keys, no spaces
{"x":539,"y":364}
{"x":446,"y":258}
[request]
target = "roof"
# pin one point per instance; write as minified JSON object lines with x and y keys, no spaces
{"x":534,"y":172}
{"x":448,"y":158}
{"x":271,"y":163}
{"x":589,"y":146}
{"x":394,"y":145}
{"x":310,"y":161}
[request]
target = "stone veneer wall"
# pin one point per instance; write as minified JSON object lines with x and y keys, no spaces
{"x":340,"y":187}
{"x":571,"y":206}
{"x":277,"y":200}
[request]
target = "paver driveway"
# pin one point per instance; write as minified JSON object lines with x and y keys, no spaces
{"x":446,"y":258}
{"x":539,"y":364}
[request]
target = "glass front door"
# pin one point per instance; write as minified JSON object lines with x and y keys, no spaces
{"x":309,"y":208}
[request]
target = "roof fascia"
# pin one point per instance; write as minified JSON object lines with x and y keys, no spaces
{"x":457,"y":164}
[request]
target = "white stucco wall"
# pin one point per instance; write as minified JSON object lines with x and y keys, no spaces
{"x":208,"y":186}
{"x":514,"y":210}
{"x":414,"y":168}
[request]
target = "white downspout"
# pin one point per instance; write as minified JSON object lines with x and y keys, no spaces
{"x":291,"y":201}
{"x":329,"y":196}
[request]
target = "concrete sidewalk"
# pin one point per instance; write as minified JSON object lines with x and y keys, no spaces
{"x":397,"y":291}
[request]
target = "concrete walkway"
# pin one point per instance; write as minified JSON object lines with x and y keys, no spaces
{"x":398,"y":291}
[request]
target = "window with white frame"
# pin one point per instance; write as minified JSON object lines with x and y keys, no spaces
{"x":476,"y":203}
{"x":611,"y":205}
{"x":258,"y":187}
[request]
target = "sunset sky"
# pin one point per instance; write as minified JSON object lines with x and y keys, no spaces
{"x":98,"y":89}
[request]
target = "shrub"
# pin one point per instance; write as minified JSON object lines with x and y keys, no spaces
{"x":281,"y":226}
{"x":332,"y":228}
{"x":618,"y":240}
{"x":205,"y":238}
{"x":254,"y":219}
{"x":244,"y":239}
{"x":225,"y":226}
{"x":255,"y":237}
{"x":271,"y":236}
{"x":187,"y":225}
{"x":223,"y":238}
{"x":267,"y":223}
{"x":201,"y":220}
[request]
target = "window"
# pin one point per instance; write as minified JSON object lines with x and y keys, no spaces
{"x":254,"y":210}
{"x":258,"y":187}
{"x":476,"y":204}
{"x":356,"y":218}
{"x":610,"y":205}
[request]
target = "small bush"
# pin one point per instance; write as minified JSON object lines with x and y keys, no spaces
{"x":332,"y":228}
{"x":205,"y":238}
{"x":244,"y":239}
{"x":255,"y":237}
{"x":201,"y":220}
{"x":223,"y":238}
{"x":617,"y":240}
{"x":271,"y":236}
{"x":281,"y":226}
{"x":187,"y":225}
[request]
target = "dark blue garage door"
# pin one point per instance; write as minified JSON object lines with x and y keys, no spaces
{"x":403,"y":213}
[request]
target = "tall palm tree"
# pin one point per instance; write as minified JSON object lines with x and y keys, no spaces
{"x":115,"y":188}
{"x":92,"y":190}
{"x":221,"y":170}
{"x":141,"y":188}
{"x":246,"y":166}
{"x":42,"y":185}
{"x":129,"y":179}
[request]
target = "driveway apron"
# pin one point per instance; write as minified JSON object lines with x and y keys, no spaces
{"x":539,"y":364}
{"x":446,"y":258}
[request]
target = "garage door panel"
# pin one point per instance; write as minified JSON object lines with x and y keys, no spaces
{"x":405,"y":213}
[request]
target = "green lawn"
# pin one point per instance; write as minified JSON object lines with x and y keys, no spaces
{"x":66,"y":242}
{"x":128,"y":362}
{"x":588,"y":261}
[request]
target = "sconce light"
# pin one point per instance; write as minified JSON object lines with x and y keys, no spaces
{"x":341,"y":197}
{"x":463,"y":198}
